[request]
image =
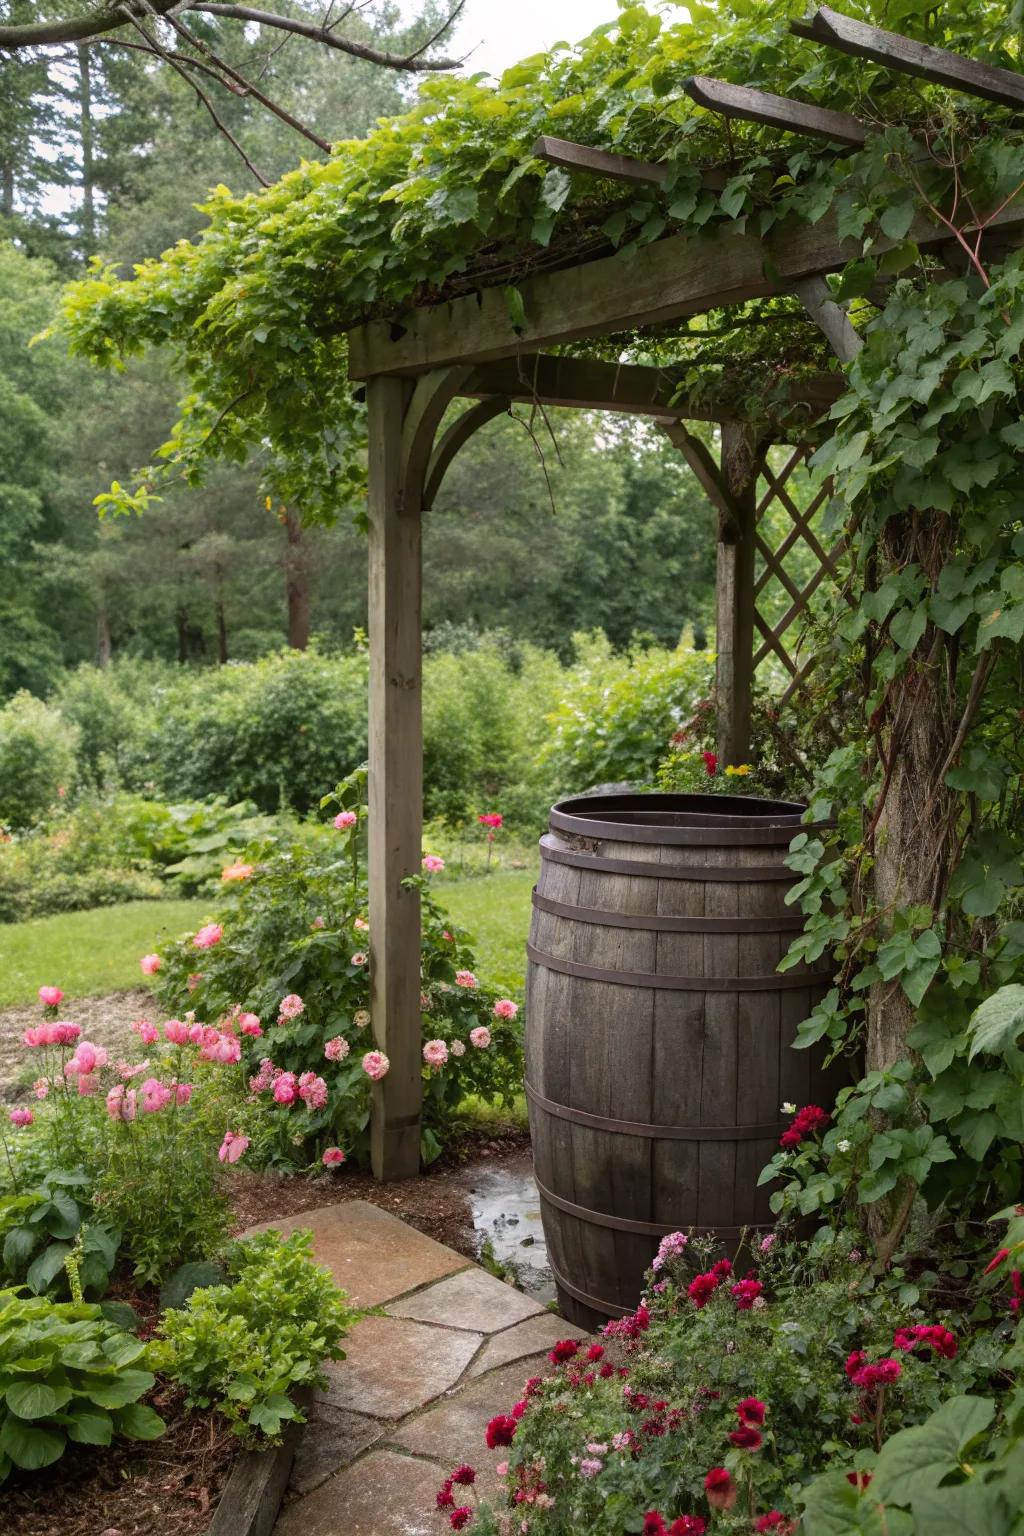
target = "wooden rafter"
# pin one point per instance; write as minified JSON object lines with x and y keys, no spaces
{"x":912,"y":58}
{"x":741,"y":101}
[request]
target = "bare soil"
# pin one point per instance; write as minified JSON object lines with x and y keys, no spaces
{"x":104,"y":1020}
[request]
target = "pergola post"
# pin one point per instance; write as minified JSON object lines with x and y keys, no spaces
{"x":395,"y":783}
{"x":734,"y":592}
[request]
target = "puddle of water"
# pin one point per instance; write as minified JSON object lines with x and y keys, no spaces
{"x":506,"y":1209}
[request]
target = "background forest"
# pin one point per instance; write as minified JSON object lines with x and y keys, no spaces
{"x":594,"y":525}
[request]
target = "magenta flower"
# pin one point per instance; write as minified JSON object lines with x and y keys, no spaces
{"x":493,"y":820}
{"x":51,"y":997}
{"x":208,"y":936}
{"x":344,"y":820}
{"x":376,"y":1065}
{"x":332,"y":1156}
{"x":432,"y":864}
{"x":286,"y":1088}
{"x":232,"y":1147}
{"x":182,"y":1092}
{"x":21,"y":1117}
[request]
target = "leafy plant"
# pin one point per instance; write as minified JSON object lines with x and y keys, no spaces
{"x":244,"y":1348}
{"x":66,"y":1374}
{"x":42,"y":1226}
{"x":37,"y":760}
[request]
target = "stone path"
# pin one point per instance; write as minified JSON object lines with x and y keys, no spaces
{"x":452,"y":1347}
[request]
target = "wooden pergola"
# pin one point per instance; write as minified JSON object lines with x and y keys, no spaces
{"x":469,"y":349}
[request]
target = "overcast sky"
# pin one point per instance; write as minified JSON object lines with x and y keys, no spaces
{"x":502,"y":31}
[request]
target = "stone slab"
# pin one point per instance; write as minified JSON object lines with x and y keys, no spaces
{"x":526,"y":1338}
{"x":372,"y":1255}
{"x":472,"y":1299}
{"x":383,"y":1494}
{"x":395,"y":1365}
{"x":453,"y":1430}
{"x":331,"y":1439}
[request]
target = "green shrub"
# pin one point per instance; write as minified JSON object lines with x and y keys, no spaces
{"x":244,"y":1348}
{"x":618,"y":713}
{"x":42,"y":1227}
{"x":37,"y":760}
{"x":66,"y":1374}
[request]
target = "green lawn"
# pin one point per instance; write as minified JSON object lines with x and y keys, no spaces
{"x":89,"y":953}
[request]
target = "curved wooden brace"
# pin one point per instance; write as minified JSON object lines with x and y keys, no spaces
{"x":457,"y":435}
{"x":432,"y":396}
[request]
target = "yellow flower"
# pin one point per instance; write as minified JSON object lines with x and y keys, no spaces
{"x":740,"y":770}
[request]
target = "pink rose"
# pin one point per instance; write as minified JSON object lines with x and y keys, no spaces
{"x":223,"y":1048}
{"x":208,"y":936}
{"x":332,"y":1156}
{"x":432,"y":864}
{"x":505,"y":1008}
{"x":480,"y":1037}
{"x":375,"y":1065}
{"x":176,"y":1031}
{"x":20,"y":1117}
{"x":232,"y":1147}
{"x":336,"y":1049}
{"x":435,"y":1053}
{"x":345,"y":819}
{"x":249,"y":1024}
{"x":51,"y":997}
{"x":286,"y":1088}
{"x":150,"y":964}
{"x":466,"y":979}
{"x":291,"y":1007}
{"x":312,"y":1090}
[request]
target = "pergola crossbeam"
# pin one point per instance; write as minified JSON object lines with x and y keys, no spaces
{"x":741,"y":101}
{"x":923,"y":60}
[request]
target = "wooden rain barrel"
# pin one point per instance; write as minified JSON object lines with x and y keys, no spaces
{"x":658,"y":1029}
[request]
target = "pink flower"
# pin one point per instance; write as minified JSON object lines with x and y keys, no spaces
{"x":286,"y":1088}
{"x":264,"y":1077}
{"x":494,"y":819}
{"x":41,"y":1087}
{"x":232,"y":1147}
{"x":501,"y":1469}
{"x":249,"y":1024}
{"x":150,"y":964}
{"x":182,"y":1092}
{"x":768,"y":1243}
{"x":121,"y":1102}
{"x":746,"y":1293}
{"x":375,"y":1065}
{"x":88,"y":1086}
{"x":344,"y":820}
{"x":669,"y":1248}
{"x":87,"y":1058}
{"x":319,"y":922}
{"x":176,"y":1031}
{"x":435,"y":1053}
{"x":155,"y":1095}
{"x":147,"y":1032}
{"x":432,"y":864}
{"x":336,"y":1049}
{"x":291,"y":1007}
{"x":361,"y":925}
{"x":312,"y":1090}
{"x":505,"y":1008}
{"x":466,"y":979}
{"x":590,"y":1466}
{"x":236,"y":871}
{"x":458,"y":1048}
{"x":222,"y":1048}
{"x":20,"y":1117}
{"x":332,"y":1156}
{"x":51,"y":997}
{"x":480,"y":1037}
{"x":358,"y":958}
{"x":208,"y":936}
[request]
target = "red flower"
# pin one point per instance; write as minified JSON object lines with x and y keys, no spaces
{"x":701,"y":1289}
{"x":746,"y":1293}
{"x":854,"y":1362}
{"x":751,"y":1411}
{"x":463,"y":1474}
{"x":775,"y":1520}
{"x":722,"y":1268}
{"x":688,"y":1525}
{"x":500,"y":1431}
{"x":931,"y":1335}
{"x":444,"y":1495}
{"x":720,"y":1488}
{"x":533,"y":1386}
{"x":494,"y":819}
{"x":518,"y":1409}
{"x":606,"y":1370}
{"x":860,"y":1480}
{"x":806,"y":1121}
{"x":654,"y":1524}
{"x":746,"y":1439}
{"x":595,"y":1352}
{"x":790,"y":1139}
{"x":1017,"y":1299}
{"x":460,"y":1517}
{"x":877,"y":1375}
{"x":1004,"y":1253}
{"x":710,"y":763}
{"x":563,"y":1350}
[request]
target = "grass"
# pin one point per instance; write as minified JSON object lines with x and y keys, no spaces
{"x":90,"y":953}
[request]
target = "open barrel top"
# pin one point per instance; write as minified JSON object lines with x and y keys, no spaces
{"x":680,"y":819}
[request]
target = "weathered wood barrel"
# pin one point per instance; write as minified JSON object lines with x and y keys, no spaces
{"x":658,"y":1029}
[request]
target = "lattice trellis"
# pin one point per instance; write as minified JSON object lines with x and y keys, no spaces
{"x":791,"y":566}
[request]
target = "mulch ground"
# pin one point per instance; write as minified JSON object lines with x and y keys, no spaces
{"x":170,"y":1486}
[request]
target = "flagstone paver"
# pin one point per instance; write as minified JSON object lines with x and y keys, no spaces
{"x":453,"y":1348}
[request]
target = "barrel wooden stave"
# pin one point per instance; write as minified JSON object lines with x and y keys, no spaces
{"x":714,"y":1059}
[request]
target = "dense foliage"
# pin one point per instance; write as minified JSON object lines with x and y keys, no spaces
{"x":245,"y":1348}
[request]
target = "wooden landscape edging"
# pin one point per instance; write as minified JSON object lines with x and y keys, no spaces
{"x":256,"y":1485}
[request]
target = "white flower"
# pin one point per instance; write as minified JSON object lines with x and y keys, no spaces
{"x":844,"y":1145}
{"x":788,"y":1109}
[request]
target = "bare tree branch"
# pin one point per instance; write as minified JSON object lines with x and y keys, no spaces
{"x":324,"y":35}
{"x":38,"y":34}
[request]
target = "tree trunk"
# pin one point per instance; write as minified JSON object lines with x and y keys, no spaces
{"x":297,"y":583}
{"x":222,"y":627}
{"x":104,"y":648}
{"x":181,"y":619}
{"x":7,"y":189}
{"x":86,"y":136}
